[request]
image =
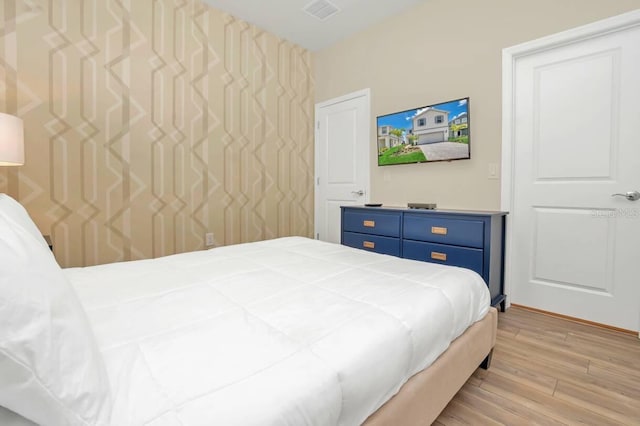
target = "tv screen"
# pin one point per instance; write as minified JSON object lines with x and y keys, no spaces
{"x":437,"y":132}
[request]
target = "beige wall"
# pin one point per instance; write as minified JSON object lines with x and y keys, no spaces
{"x":149,"y":123}
{"x":438,"y":51}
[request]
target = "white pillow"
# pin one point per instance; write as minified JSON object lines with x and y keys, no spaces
{"x":14,"y":212}
{"x":51,"y":371}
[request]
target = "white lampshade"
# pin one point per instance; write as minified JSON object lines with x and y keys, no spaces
{"x":11,"y":140}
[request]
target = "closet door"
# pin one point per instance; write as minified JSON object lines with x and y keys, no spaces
{"x":574,"y":247}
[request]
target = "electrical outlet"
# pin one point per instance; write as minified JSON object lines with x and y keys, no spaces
{"x":208,"y":239}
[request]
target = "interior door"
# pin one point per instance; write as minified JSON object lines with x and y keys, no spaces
{"x":575,"y":247}
{"x":342,"y":160}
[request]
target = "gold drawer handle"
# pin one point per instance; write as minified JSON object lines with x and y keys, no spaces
{"x":369,"y":223}
{"x":439,"y":256}
{"x":368,"y":244}
{"x":438,"y":230}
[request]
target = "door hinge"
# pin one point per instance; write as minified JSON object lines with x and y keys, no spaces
{"x":318,"y":236}
{"x":318,"y":181}
{"x":318,"y":125}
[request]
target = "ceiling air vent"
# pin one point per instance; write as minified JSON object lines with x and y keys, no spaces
{"x":321,"y":9}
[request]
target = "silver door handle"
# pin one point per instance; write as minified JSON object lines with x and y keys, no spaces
{"x":630,"y":195}
{"x":360,"y":192}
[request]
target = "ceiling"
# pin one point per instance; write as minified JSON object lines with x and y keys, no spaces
{"x":288,"y":20}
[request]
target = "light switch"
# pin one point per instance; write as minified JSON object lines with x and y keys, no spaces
{"x":494,"y":171}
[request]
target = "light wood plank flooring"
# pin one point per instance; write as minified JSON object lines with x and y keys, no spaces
{"x":552,"y":371}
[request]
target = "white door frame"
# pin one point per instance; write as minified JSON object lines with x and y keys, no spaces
{"x":366,"y":93}
{"x":509,"y":57}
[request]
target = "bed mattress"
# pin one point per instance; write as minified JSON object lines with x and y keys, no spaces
{"x":289,"y":331}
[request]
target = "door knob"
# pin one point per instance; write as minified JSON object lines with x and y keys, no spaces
{"x":630,"y":195}
{"x":359,"y":193}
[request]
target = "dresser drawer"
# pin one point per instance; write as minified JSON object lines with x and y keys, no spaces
{"x":384,"y":245}
{"x":463,"y":257}
{"x":368,"y":222}
{"x":469,"y":233}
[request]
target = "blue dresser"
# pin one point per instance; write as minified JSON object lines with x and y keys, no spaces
{"x":468,"y":239}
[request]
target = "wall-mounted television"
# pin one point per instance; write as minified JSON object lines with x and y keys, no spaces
{"x":438,"y":132}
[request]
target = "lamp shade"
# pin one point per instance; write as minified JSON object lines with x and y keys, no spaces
{"x":11,"y":140}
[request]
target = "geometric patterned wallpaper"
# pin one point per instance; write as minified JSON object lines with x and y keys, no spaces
{"x":149,"y":123}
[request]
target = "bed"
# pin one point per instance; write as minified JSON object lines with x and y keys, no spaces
{"x":289,"y":331}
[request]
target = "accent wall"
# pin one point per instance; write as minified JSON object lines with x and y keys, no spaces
{"x":150,"y":123}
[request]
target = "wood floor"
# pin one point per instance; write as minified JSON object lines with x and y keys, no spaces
{"x":551,"y":371}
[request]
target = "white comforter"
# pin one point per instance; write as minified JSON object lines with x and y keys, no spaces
{"x":289,"y":331}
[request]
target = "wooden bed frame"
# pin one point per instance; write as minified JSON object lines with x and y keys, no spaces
{"x":423,"y":397}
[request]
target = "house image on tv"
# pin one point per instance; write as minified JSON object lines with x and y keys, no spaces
{"x":386,"y":139}
{"x":431,"y":126}
{"x":459,"y":126}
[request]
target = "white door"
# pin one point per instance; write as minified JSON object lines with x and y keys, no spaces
{"x":342,"y":160}
{"x":574,"y":136}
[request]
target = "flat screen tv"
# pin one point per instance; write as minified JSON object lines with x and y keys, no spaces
{"x":437,"y":132}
